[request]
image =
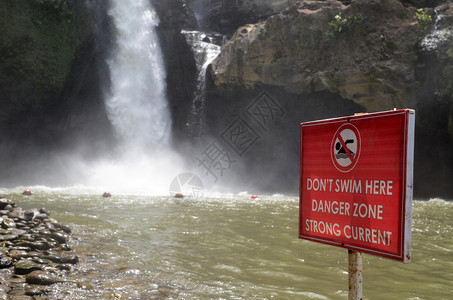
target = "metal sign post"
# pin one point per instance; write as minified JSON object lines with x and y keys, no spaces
{"x":355,"y":275}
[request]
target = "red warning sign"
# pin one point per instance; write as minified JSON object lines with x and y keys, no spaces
{"x":356,"y":182}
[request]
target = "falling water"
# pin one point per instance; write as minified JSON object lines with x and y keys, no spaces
{"x":204,"y":52}
{"x":437,"y":36}
{"x":137,"y":107}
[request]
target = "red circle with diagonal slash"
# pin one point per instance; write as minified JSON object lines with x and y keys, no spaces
{"x":345,"y":147}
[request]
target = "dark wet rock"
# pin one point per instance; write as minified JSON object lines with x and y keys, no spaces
{"x":8,"y":237}
{"x":26,"y":237}
{"x":44,"y":211}
{"x":70,"y":259}
{"x":20,"y":224}
{"x":34,"y":254}
{"x":34,"y":291}
{"x":26,"y":266}
{"x":21,"y":248}
{"x":8,"y":223}
{"x":41,"y":217}
{"x":30,"y":214}
{"x":16,"y":213}
{"x":41,"y":278}
{"x":42,"y":261}
{"x":66,"y":267}
{"x":50,"y":227}
{"x":62,"y":227}
{"x":9,"y":208}
{"x":3,"y":203}
{"x":85,"y":285}
{"x":15,"y":231}
{"x":65,"y":247}
{"x":35,"y":245}
{"x":45,"y":232}
{"x":62,"y":259}
{"x":6,"y":262}
{"x":59,"y":237}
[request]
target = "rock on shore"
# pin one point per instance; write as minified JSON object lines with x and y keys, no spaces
{"x":34,"y":252}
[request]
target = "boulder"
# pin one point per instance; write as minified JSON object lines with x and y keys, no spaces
{"x":26,"y":266}
{"x":41,"y":278}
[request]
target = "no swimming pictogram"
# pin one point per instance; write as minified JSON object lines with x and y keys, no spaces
{"x":345,"y":148}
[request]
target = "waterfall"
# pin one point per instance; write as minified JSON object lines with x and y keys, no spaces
{"x":137,"y":107}
{"x":204,"y":53}
{"x":437,"y":36}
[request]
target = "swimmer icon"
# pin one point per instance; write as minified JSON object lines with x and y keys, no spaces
{"x":345,"y":149}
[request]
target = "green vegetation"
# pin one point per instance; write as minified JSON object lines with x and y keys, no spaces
{"x":424,"y":20}
{"x":342,"y":25}
{"x":39,"y":40}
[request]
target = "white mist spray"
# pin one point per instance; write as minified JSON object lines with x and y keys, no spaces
{"x":137,"y":107}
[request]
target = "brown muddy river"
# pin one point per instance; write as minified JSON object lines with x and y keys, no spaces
{"x":230,"y":247}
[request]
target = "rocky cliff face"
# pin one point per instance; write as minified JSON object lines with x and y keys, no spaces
{"x":370,"y":53}
{"x":363,"y":52}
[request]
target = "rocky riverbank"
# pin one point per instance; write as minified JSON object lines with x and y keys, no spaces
{"x":34,"y":252}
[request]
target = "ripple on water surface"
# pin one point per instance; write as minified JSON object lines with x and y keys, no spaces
{"x":232,"y":247}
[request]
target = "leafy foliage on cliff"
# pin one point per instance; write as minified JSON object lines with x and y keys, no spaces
{"x":425,"y":21}
{"x":341,"y":24}
{"x":38,"y":43}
